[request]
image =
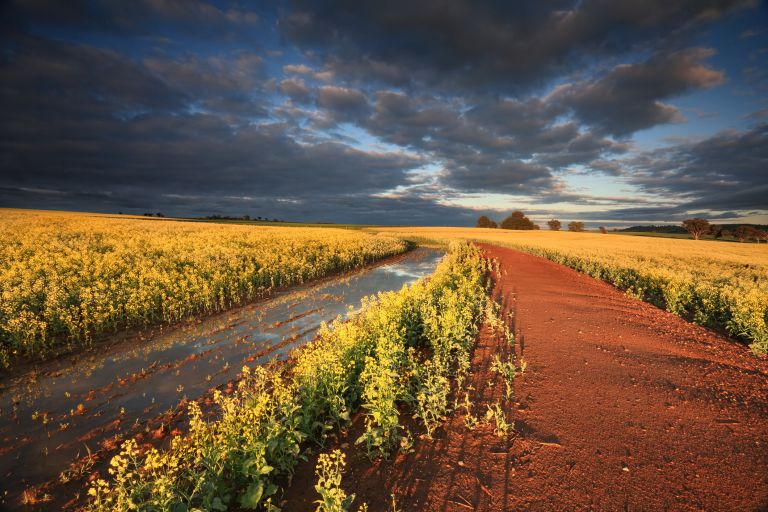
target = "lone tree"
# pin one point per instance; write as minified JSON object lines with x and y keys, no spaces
{"x":485,"y":222}
{"x":554,"y":224}
{"x":602,"y":229}
{"x":697,"y":227}
{"x":575,"y":226}
{"x":517,"y":220}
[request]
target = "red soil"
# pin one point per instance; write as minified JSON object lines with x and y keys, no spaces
{"x":623,"y":407}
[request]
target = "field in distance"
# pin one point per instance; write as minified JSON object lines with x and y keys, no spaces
{"x":722,"y":286}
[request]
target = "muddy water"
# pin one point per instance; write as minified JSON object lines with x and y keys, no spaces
{"x":49,"y":420}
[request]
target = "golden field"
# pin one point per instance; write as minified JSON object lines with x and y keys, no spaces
{"x":404,"y":350}
{"x":66,"y":277}
{"x":717,"y":284}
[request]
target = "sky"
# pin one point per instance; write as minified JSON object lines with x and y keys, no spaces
{"x":397,"y":112}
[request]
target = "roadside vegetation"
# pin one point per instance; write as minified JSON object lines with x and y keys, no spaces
{"x":726,"y":289}
{"x":67,"y":277}
{"x":403,"y":349}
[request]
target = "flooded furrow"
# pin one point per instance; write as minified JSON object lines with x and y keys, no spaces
{"x":49,"y":420}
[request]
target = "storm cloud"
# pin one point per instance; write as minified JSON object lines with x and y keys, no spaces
{"x":394,"y":112}
{"x":726,"y":171}
{"x":629,"y":97}
{"x":466,"y":44}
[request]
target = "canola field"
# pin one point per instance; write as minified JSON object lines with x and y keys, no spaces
{"x":405,"y":350}
{"x":67,"y":277}
{"x":716,"y":284}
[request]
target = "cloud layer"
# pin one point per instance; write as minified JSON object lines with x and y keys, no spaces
{"x":395,"y":112}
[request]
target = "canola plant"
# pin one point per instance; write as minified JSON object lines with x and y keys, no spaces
{"x":715,"y":284}
{"x":68,"y":277}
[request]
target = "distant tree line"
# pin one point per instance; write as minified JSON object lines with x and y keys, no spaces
{"x":518,"y":220}
{"x":484,"y":222}
{"x":243,"y":217}
{"x":515,"y":220}
{"x":742,"y":232}
{"x":218,"y":217}
{"x":652,"y":228}
{"x":699,"y":227}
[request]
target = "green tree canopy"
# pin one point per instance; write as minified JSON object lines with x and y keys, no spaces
{"x":517,"y":220}
{"x":485,"y":222}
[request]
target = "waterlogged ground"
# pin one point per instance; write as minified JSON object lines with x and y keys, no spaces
{"x":48,"y":420}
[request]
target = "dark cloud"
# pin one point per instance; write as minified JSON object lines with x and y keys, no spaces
{"x":339,"y":208}
{"x":400,"y":119}
{"x":81,"y":120}
{"x":211,"y":75}
{"x":201,"y":107}
{"x":511,"y":177}
{"x":581,"y":149}
{"x":496,"y":146}
{"x":194,"y":153}
{"x":725,"y":171}
{"x":628,"y":98}
{"x":460,"y":43}
{"x":343,"y":103}
{"x":45,"y":74}
{"x":610,"y":167}
{"x":231,"y":84}
{"x":515,"y":116}
{"x":295,"y":88}
{"x":138,"y":17}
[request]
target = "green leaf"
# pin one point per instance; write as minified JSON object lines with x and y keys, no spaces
{"x":348,"y":501}
{"x":252,"y":496}
{"x":218,"y":504}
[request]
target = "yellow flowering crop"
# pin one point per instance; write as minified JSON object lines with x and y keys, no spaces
{"x":65,"y":277}
{"x":237,"y":458}
{"x":712,"y":283}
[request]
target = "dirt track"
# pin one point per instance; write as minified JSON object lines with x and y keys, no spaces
{"x":623,"y":407}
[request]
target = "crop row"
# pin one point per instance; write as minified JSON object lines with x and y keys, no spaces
{"x":408,"y":348}
{"x":740,"y":308}
{"x":716,"y":284}
{"x":65,"y":278}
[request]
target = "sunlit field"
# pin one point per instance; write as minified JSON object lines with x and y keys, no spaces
{"x":68,"y":277}
{"x":719,"y":285}
{"x":409,"y":346}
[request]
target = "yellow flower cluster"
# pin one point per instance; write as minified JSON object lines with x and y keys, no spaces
{"x":65,"y":277}
{"x":330,"y":467}
{"x":719,"y":284}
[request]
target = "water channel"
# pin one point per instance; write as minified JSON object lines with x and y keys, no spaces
{"x":50,"y":418}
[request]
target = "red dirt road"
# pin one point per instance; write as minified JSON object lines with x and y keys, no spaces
{"x":623,"y":407}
